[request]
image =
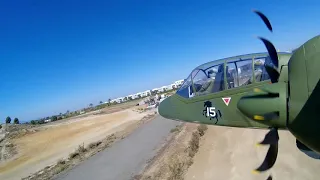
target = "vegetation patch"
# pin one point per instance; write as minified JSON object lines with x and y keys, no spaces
{"x":202,"y":129}
{"x":83,"y":152}
{"x":177,"y":129}
{"x":177,"y":156}
{"x":178,"y":166}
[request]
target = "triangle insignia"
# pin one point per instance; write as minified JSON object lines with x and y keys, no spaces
{"x":226,"y":100}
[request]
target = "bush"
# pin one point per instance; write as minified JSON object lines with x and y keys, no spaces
{"x":41,"y":121}
{"x":16,"y":121}
{"x":202,"y":129}
{"x":8,"y":120}
{"x":176,"y":168}
{"x":194,"y":144}
{"x":81,"y":149}
{"x":176,"y":129}
{"x":61,"y":161}
{"x":74,"y":155}
{"x":94,"y":144}
{"x":54,"y":118}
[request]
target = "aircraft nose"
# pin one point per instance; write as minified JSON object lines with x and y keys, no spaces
{"x":165,"y":108}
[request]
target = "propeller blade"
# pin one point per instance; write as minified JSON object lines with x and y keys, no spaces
{"x":271,"y":50}
{"x":272,"y":137}
{"x":269,"y":178}
{"x":264,"y":18}
{"x":273,"y":73}
{"x":270,"y":159}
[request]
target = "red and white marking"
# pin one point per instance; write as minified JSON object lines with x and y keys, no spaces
{"x":226,"y":100}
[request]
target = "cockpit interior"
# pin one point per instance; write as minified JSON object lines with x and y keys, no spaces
{"x":223,"y":74}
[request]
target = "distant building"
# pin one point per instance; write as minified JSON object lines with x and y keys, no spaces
{"x":156,"y":89}
{"x":163,"y":89}
{"x":173,"y":86}
{"x":179,"y":83}
{"x":131,"y":96}
{"x":146,"y":93}
{"x":138,"y":95}
{"x":117,"y":100}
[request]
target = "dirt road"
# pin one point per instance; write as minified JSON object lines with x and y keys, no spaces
{"x":126,"y":158}
{"x":44,"y":148}
{"x":230,"y":154}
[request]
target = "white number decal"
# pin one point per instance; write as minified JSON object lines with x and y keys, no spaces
{"x":211,"y":112}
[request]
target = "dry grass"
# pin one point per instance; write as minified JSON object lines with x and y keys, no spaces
{"x":176,"y":168}
{"x":94,"y":144}
{"x":178,"y":157}
{"x":82,"y":152}
{"x":194,"y":144}
{"x":202,"y":129}
{"x":177,"y":129}
{"x":179,"y":166}
{"x":195,"y":140}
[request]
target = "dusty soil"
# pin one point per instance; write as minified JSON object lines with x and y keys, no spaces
{"x":85,"y":152}
{"x":230,"y":153}
{"x":57,"y":140}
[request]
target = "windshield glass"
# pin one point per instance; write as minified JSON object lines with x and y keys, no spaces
{"x":186,"y":89}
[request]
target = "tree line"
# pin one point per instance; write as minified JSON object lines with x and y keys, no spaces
{"x":69,"y":114}
{"x":15,"y":120}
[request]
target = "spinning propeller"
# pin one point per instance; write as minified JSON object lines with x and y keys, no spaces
{"x":272,"y":136}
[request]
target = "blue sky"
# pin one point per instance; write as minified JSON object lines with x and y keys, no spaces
{"x":63,"y":55}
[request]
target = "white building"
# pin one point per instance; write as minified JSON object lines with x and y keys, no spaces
{"x":136,"y":96}
{"x":131,"y":96}
{"x":170,"y":87}
{"x":179,"y":82}
{"x":167,"y":88}
{"x":118,"y":100}
{"x":175,"y":85}
{"x":146,"y":93}
{"x":156,"y":89}
{"x":163,"y":88}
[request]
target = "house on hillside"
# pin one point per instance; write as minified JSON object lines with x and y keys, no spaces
{"x":173,"y":86}
{"x":138,"y":95}
{"x":156,"y":90}
{"x":130,"y":97}
{"x":169,"y":87}
{"x":166,"y":88}
{"x":146,"y":93}
{"x":179,"y":83}
{"x":117,"y":100}
{"x":163,"y":89}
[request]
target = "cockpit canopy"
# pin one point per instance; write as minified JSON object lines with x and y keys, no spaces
{"x":227,"y":73}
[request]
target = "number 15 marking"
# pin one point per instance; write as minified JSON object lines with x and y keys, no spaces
{"x":211,"y":112}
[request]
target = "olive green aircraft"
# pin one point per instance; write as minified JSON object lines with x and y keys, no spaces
{"x":272,"y":90}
